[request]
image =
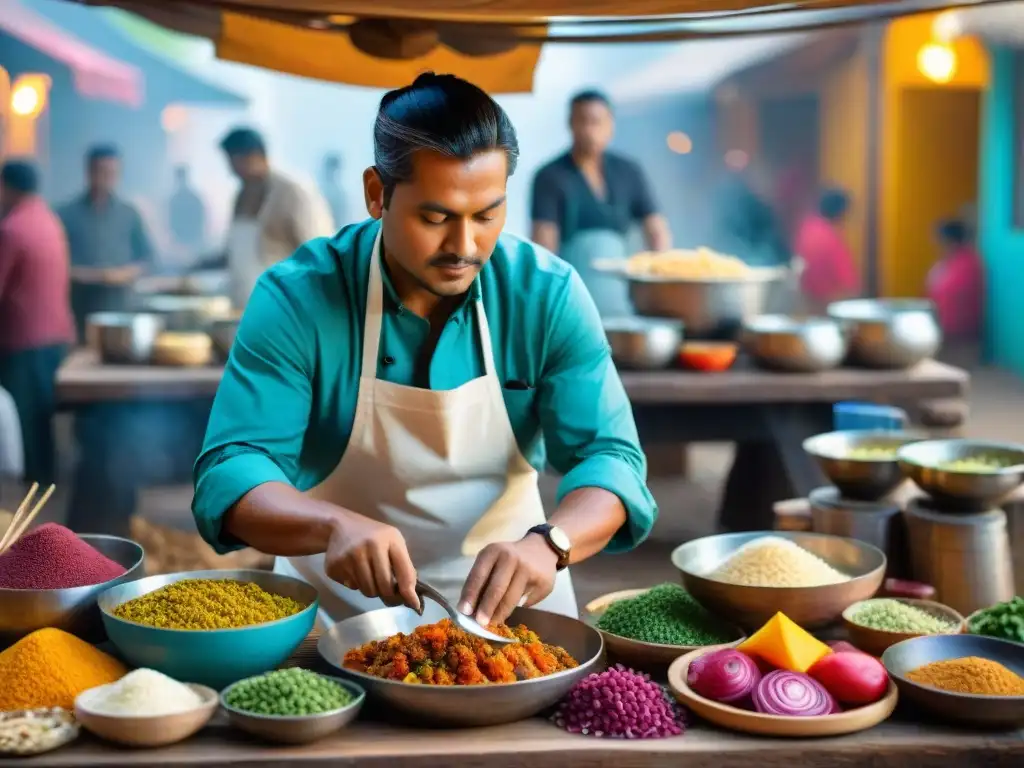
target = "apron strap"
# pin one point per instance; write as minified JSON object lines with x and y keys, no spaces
{"x":374,"y":313}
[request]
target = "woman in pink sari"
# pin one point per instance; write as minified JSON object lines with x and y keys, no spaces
{"x":829,"y":272}
{"x":956,"y":283}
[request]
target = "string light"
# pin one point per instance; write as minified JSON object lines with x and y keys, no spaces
{"x":679,"y":143}
{"x":937,"y":62}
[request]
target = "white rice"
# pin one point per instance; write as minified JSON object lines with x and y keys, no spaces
{"x":772,"y":561}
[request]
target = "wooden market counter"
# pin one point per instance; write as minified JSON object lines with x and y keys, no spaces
{"x":537,"y":744}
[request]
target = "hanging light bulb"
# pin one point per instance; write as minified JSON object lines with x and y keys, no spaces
{"x":937,"y":62}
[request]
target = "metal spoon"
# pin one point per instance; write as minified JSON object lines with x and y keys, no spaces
{"x":463,"y":622}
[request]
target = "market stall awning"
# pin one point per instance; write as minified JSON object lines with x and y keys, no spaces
{"x":95,"y":74}
{"x":495,"y":43}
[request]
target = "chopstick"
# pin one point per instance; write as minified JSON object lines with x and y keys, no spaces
{"x":21,"y":520}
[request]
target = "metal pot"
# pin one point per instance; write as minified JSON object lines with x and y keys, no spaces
{"x":782,"y":343}
{"x":187,"y":313}
{"x":643,"y":343}
{"x":712,"y":308}
{"x":888,"y":333}
{"x":123,"y":337}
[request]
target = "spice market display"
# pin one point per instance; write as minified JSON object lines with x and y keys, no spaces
{"x":53,"y":557}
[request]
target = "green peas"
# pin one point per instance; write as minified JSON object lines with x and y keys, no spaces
{"x":288,"y":692}
{"x":894,"y":616}
{"x":665,"y":614}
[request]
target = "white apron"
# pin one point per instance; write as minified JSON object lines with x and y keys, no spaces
{"x":443,"y":467}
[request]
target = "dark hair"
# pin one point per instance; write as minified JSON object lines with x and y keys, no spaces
{"x":833,"y":203}
{"x":589,"y":97}
{"x":243,"y":141}
{"x":20,"y":176}
{"x":439,"y":113}
{"x":955,"y":232}
{"x":102,"y":152}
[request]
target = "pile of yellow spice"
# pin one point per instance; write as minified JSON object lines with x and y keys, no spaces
{"x":208,"y":604}
{"x":971,"y":674}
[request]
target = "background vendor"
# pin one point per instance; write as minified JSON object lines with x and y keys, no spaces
{"x":380,"y":415}
{"x":585,"y":202}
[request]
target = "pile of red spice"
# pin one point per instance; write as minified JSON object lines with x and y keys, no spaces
{"x":53,"y":557}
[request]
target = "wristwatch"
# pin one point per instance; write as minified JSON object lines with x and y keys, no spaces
{"x":557,"y":539}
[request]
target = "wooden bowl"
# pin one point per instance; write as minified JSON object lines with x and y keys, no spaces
{"x":708,"y":356}
{"x":875,"y":641}
{"x":636,"y":653}
{"x":724,"y":716}
{"x":148,"y":731}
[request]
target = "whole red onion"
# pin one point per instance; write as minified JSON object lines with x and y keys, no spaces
{"x":619,"y":704}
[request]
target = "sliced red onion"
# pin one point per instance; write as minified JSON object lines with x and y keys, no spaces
{"x":726,"y":675}
{"x":792,"y":694}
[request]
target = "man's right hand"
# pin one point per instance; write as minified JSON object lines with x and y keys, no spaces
{"x":371,"y":557}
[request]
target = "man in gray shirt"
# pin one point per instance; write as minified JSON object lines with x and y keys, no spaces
{"x":108,"y":240}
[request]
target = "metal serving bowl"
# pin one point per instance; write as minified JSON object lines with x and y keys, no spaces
{"x":296,"y":729}
{"x":865,"y":479}
{"x":123,"y":337}
{"x":186,"y":313}
{"x":964,"y":708}
{"x":223,"y":331}
{"x":465,"y":705}
{"x":74,"y":610}
{"x":213,"y":657}
{"x":712,"y":308}
{"x":751,"y":607}
{"x":643,"y":343}
{"x":970,"y":491}
{"x":783,"y":343}
{"x":888,"y":333}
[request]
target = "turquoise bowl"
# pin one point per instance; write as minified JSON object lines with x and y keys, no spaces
{"x":212,"y":657}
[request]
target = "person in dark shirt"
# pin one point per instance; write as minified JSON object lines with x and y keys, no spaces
{"x":585,"y":201}
{"x":187,"y":213}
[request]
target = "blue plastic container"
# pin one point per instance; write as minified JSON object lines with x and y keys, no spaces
{"x":861,"y":416}
{"x":214,"y":657}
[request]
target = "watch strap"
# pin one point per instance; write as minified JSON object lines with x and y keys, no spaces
{"x":544,"y":530}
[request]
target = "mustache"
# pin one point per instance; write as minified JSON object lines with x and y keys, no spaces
{"x":453,"y":260}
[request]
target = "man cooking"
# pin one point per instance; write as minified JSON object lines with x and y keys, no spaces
{"x":273,"y":215}
{"x":380,"y":417}
{"x":586,"y":201}
{"x":108,"y":241}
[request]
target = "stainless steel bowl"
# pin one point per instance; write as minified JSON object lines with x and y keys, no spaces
{"x":123,"y":337}
{"x":962,"y":708}
{"x":187,"y":313}
{"x":643,"y":343}
{"x":751,"y":607}
{"x":297,"y":729}
{"x":888,"y":333}
{"x":865,"y":479}
{"x":465,"y":705}
{"x":223,"y":332}
{"x":970,"y":491}
{"x":709,"y":308}
{"x":782,"y":343}
{"x":75,"y":610}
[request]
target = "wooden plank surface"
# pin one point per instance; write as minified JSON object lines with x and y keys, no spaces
{"x":537,"y":744}
{"x":83,"y":379}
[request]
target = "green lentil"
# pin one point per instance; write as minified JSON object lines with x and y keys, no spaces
{"x":665,"y":614}
{"x":1003,"y":620}
{"x":288,"y":692}
{"x":894,"y":616}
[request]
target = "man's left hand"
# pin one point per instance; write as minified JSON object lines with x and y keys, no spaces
{"x":505,"y":573}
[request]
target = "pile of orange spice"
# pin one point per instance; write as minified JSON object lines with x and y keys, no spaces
{"x":970,"y":674}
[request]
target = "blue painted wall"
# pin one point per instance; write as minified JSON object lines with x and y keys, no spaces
{"x":1001,"y":243}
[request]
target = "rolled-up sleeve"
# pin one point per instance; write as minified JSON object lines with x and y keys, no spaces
{"x":586,"y":417}
{"x":261,"y":410}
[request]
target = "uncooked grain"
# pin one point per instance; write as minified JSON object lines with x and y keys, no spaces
{"x":773,"y":561}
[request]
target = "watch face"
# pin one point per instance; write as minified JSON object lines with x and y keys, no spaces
{"x":559,"y":539}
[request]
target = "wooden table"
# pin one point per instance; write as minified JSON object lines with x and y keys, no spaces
{"x":767,"y":414}
{"x":536,"y":744}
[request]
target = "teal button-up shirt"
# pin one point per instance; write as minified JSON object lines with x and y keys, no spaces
{"x":285,"y":407}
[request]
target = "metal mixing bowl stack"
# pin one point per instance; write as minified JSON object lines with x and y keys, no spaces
{"x":74,"y":610}
{"x":888,"y":333}
{"x":924,"y":463}
{"x":783,"y":343}
{"x":465,"y":705}
{"x":863,"y":478}
{"x":751,"y":607}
